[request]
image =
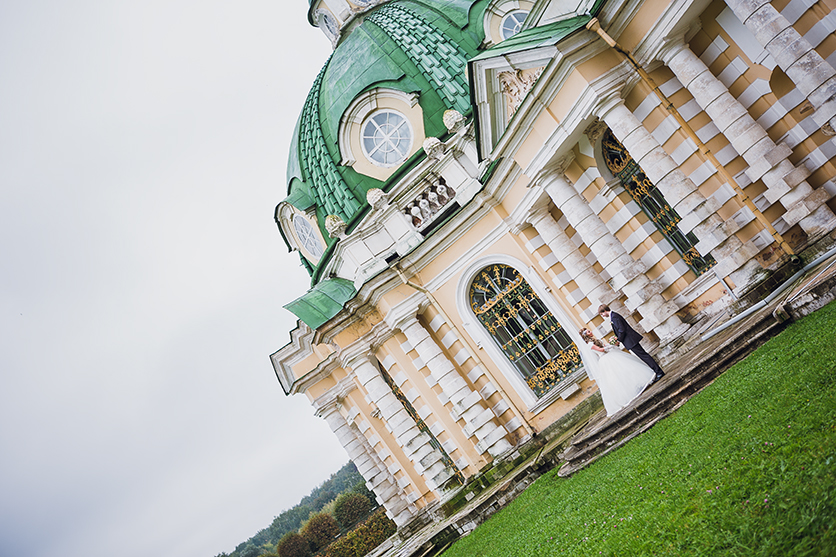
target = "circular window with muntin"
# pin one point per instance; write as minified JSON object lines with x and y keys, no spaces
{"x":386,"y":137}
{"x":512,"y":23}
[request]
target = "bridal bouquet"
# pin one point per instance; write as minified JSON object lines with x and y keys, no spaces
{"x":614,"y":341}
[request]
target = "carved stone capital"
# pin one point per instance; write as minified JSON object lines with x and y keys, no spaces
{"x":335,"y":226}
{"x":595,"y":130}
{"x":555,"y":167}
{"x":453,"y":120}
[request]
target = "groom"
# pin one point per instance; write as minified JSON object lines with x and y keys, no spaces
{"x":630,"y":339}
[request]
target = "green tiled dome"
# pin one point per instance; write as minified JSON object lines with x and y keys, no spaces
{"x":414,"y":46}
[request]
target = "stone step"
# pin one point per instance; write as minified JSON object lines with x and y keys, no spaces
{"x":680,"y":383}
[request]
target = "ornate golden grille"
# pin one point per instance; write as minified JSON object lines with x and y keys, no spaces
{"x":653,"y":203}
{"x":523,"y":327}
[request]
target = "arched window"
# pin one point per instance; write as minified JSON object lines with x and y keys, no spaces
{"x":653,"y":203}
{"x":523,"y":327}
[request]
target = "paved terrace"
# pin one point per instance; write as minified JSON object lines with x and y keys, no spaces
{"x":689,"y":367}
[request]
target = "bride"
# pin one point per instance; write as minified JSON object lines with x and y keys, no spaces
{"x":620,"y":375}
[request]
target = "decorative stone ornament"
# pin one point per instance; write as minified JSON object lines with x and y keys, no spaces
{"x":433,"y":147}
{"x":427,"y":206}
{"x":595,"y":130}
{"x":453,"y":120}
{"x":335,"y":226}
{"x":376,"y":198}
{"x":516,"y":85}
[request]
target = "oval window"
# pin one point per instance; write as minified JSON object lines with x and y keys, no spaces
{"x":308,"y":238}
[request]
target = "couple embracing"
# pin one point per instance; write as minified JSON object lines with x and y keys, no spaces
{"x":621,"y":376}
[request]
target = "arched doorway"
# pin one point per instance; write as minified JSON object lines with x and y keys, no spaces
{"x":523,"y":327}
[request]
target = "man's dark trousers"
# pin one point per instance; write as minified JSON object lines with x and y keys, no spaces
{"x":630,"y":338}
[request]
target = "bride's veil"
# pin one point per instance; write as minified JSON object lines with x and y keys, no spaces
{"x":590,"y":361}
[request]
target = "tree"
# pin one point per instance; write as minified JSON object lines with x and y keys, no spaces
{"x":320,"y":530}
{"x":293,"y":545}
{"x":351,"y":507}
{"x":249,"y":550}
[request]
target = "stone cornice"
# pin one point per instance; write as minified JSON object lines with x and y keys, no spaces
{"x":320,"y":372}
{"x":333,"y":397}
{"x":299,"y":347}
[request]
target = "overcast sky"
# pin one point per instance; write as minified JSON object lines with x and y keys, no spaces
{"x":143,"y":147}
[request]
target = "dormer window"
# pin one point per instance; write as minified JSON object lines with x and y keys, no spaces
{"x":512,"y":23}
{"x":386,"y":138}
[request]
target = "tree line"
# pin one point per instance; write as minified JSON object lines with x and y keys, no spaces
{"x":331,"y":509}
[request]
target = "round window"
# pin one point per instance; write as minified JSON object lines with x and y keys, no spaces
{"x":512,"y":23}
{"x":386,"y":138}
{"x":307,"y":236}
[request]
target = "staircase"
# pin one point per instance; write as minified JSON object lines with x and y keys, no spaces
{"x":683,"y":379}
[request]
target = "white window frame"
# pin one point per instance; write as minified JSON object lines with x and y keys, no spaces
{"x":483,"y":338}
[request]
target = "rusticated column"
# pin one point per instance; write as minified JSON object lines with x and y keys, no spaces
{"x":595,"y":288}
{"x":767,"y":161}
{"x":698,"y":214}
{"x":468,"y":404}
{"x":371,"y":467}
{"x":415,"y":444}
{"x":658,"y":315}
{"x":811,"y":73}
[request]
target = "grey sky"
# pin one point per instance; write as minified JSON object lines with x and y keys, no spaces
{"x":142,"y":150}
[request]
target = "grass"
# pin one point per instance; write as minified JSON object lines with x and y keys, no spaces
{"x":747,"y":467}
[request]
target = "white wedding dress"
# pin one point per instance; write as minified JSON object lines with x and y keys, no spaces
{"x":621,"y":376}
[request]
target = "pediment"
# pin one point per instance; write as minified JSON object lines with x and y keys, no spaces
{"x":504,"y":75}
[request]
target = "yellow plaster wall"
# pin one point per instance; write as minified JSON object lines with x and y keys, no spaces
{"x":641,"y":23}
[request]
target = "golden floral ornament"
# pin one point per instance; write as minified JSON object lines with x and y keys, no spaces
{"x":335,"y":226}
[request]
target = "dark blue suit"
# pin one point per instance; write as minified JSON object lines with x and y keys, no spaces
{"x":631,"y":340}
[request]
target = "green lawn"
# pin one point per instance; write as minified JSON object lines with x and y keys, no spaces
{"x":747,"y":467}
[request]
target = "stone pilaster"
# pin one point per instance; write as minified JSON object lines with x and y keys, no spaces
{"x":415,"y":444}
{"x":371,"y":467}
{"x":480,"y":422}
{"x":767,"y":161}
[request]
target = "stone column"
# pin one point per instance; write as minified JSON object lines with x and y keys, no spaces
{"x":658,"y":315}
{"x":786,"y":183}
{"x":415,"y":444}
{"x":595,"y":288}
{"x":794,"y":54}
{"x":468,"y":404}
{"x":374,"y":471}
{"x":698,"y":214}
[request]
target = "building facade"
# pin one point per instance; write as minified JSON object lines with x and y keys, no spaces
{"x":470,"y":179}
